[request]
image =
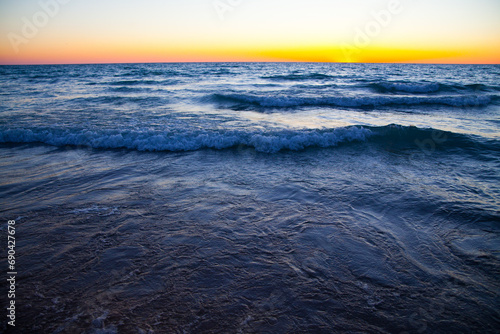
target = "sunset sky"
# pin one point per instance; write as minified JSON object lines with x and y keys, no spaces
{"x":122,"y":31}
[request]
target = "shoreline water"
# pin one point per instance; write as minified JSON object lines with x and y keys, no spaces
{"x":396,"y":231}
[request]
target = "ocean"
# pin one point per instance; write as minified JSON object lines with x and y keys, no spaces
{"x":251,"y":197}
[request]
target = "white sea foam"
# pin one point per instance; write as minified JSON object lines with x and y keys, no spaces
{"x":262,"y":141}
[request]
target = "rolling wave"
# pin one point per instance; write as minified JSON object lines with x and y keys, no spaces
{"x":299,"y":77}
{"x":429,"y":87}
{"x":270,"y":141}
{"x":414,"y":88}
{"x":250,"y":100}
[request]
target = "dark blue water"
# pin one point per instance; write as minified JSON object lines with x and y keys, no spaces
{"x":253,"y":198}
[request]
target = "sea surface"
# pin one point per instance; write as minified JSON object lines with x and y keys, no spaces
{"x":252,"y":197}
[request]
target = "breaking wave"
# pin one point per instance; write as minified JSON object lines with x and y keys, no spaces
{"x":249,"y":100}
{"x":270,"y":141}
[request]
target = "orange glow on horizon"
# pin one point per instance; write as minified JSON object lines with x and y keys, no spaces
{"x":80,"y":54}
{"x":365,"y":31}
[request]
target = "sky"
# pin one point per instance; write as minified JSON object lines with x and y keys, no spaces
{"x":132,"y":31}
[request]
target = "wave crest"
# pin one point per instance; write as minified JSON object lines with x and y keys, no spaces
{"x":429,"y":88}
{"x":269,"y":142}
{"x":298,"y":77}
{"x":413,"y":88}
{"x":248,"y":100}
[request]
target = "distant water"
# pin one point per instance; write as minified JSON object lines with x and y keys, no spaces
{"x":253,"y":198}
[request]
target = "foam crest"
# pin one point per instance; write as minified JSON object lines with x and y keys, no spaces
{"x":262,"y":141}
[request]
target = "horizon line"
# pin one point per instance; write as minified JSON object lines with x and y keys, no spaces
{"x":245,"y":62}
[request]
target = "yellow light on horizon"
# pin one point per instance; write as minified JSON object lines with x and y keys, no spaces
{"x":315,"y":31}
